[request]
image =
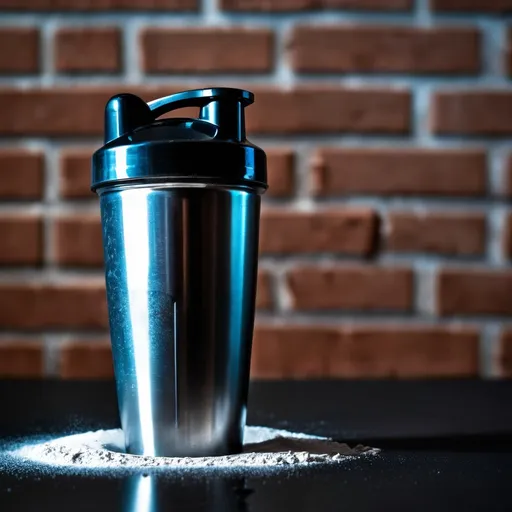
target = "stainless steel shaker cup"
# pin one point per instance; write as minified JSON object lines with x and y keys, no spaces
{"x":180,"y":206}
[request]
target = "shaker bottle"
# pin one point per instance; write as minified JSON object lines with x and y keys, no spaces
{"x":180,"y":207}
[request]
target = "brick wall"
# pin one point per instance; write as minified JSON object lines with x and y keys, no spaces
{"x":387,"y":232}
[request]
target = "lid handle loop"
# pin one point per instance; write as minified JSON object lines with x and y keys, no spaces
{"x":221,"y":106}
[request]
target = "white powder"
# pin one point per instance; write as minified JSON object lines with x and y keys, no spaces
{"x":263,"y":447}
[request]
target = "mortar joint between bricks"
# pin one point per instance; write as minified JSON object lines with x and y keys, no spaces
{"x":60,"y":338}
{"x":423,"y":15}
{"x":421,"y":98}
{"x":211,"y":14}
{"x":492,"y":47}
{"x":47,"y":63}
{"x":496,"y":159}
{"x":488,"y":349}
{"x":496,"y":219}
{"x":280,"y":293}
{"x":283,"y":72}
{"x":51,"y":357}
{"x":303,"y":160}
{"x":51,"y":197}
{"x":425,"y":289}
{"x":131,"y":60}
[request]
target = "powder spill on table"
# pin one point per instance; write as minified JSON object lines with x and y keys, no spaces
{"x":263,"y":447}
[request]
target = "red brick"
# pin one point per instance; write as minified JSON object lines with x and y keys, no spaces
{"x":21,"y":174}
{"x":21,"y":359}
{"x":78,"y":240}
{"x":347,"y":231}
{"x":75,"y":174}
{"x":292,"y":351}
{"x":507,"y":237}
{"x":504,"y":356}
{"x":34,"y":306}
{"x":99,"y":5}
{"x":20,"y":50}
{"x":436,"y":232}
{"x":88,"y":50}
{"x":362,"y":48}
{"x":21,"y":239}
{"x":79,"y":111}
{"x":63,"y":111}
{"x":207,"y":50}
{"x":476,"y":112}
{"x":474,"y":292}
{"x":395,"y":171}
{"x":281,"y":176}
{"x":310,"y":5}
{"x":86,"y":360}
{"x":351,"y":287}
{"x":329,"y":109}
{"x":491,"y":6}
{"x":301,"y":352}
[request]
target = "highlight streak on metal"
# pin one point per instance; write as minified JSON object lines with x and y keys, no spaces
{"x":175,"y":323}
{"x":136,"y":240}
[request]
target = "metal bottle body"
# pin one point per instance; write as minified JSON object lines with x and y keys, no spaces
{"x":181,"y":272}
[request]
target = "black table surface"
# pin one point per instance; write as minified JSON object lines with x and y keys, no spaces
{"x":446,"y":445}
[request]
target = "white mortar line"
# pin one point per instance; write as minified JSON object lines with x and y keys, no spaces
{"x":489,"y":343}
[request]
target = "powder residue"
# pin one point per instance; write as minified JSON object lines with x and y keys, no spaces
{"x":263,"y":447}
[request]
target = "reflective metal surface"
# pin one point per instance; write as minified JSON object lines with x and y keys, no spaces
{"x":152,"y":493}
{"x":181,"y":267}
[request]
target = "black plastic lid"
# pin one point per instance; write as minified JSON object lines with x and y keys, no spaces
{"x":211,"y":149}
